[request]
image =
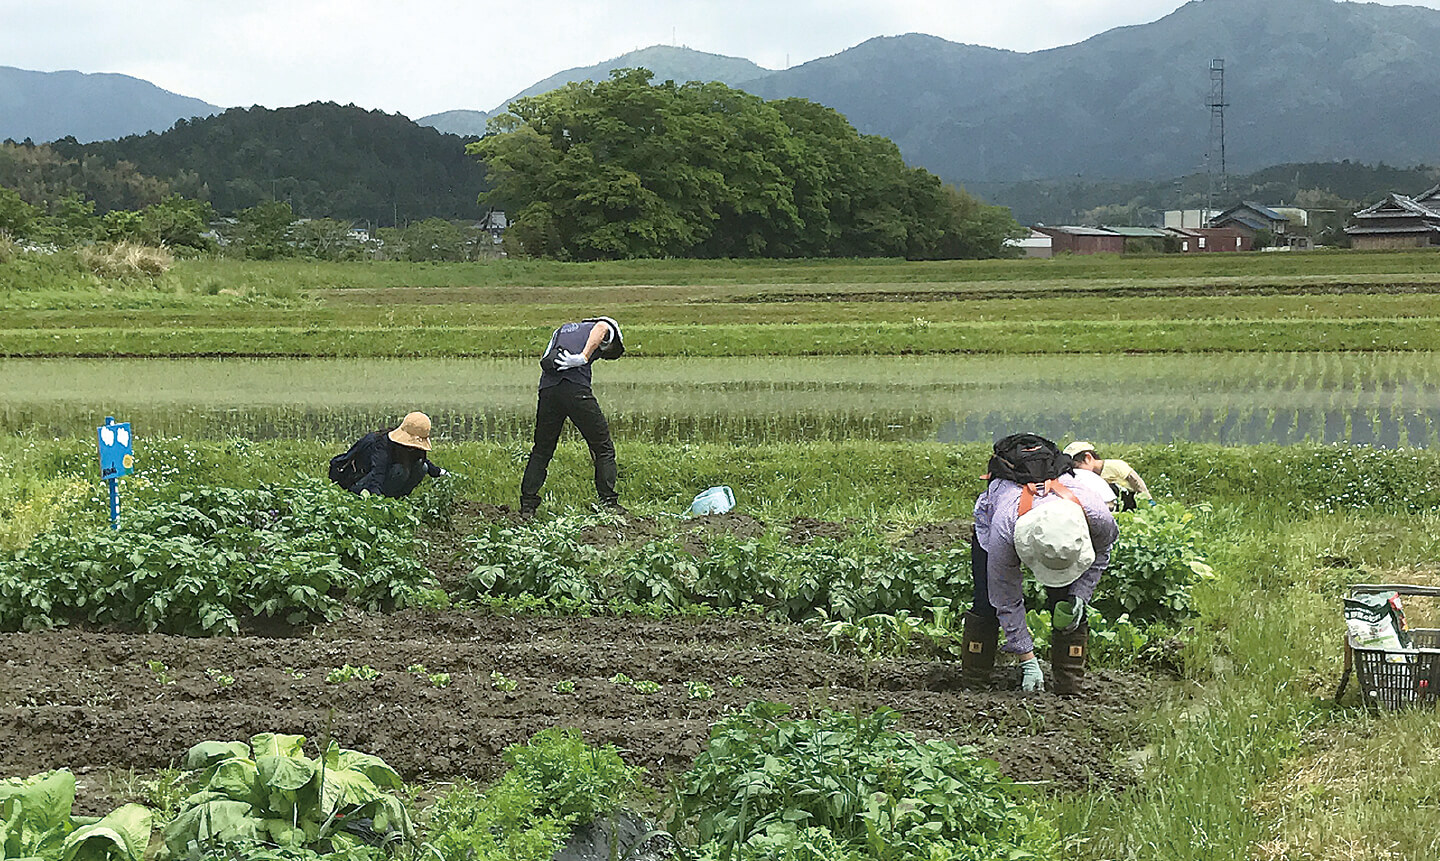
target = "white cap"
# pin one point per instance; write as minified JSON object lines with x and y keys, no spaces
{"x":1053,"y":540}
{"x":1078,"y":446}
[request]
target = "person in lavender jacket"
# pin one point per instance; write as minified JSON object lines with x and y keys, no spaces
{"x":1063,"y":533}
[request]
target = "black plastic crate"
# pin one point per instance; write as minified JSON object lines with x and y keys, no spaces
{"x":1414,"y":679}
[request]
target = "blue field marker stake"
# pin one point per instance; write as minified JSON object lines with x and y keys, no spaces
{"x":117,"y":459}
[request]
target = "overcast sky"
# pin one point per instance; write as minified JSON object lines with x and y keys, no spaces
{"x":424,"y":56}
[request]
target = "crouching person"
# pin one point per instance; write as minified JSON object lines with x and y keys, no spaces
{"x":388,"y":463}
{"x":1062,"y":532}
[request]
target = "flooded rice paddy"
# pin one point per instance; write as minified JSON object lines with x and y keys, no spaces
{"x":1385,"y":400}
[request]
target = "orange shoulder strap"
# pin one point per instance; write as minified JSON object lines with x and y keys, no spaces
{"x":1030,"y":491}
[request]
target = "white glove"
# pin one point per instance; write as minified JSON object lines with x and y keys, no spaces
{"x":1031,"y":680}
{"x":565,"y":360}
{"x":443,"y":473}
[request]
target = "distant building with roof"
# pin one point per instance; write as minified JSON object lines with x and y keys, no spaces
{"x":1140,"y":239}
{"x":1202,"y":240}
{"x":1252,"y":218}
{"x":1069,"y":239}
{"x":1037,"y":244}
{"x":1398,"y":222}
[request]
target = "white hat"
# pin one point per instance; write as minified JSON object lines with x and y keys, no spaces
{"x":1078,"y":446}
{"x":1053,"y":541}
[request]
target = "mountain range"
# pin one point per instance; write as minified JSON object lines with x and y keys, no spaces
{"x":47,"y":106}
{"x":1305,"y":81}
{"x":667,"y":62}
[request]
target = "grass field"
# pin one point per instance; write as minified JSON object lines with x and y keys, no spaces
{"x":1354,"y":302}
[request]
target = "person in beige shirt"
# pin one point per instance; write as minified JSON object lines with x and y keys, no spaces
{"x":1114,"y":471}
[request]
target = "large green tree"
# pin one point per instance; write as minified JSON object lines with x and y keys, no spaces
{"x":630,"y":168}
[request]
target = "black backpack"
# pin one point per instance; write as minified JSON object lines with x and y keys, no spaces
{"x":350,"y":467}
{"x":1026,"y":458}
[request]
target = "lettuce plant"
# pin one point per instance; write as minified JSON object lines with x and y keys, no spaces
{"x":36,"y":823}
{"x":270,"y":791}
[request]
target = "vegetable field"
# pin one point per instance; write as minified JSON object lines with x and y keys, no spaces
{"x":258,"y":666}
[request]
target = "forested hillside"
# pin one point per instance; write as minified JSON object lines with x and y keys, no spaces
{"x":627,"y":168}
{"x":325,"y":159}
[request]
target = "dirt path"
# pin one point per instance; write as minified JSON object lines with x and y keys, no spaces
{"x":89,"y":700}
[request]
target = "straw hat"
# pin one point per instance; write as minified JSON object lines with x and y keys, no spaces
{"x":414,"y":431}
{"x":1079,"y":446}
{"x":1053,"y":541}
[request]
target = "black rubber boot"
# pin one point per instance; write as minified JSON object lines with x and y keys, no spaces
{"x":1067,"y":658}
{"x":980,"y":637}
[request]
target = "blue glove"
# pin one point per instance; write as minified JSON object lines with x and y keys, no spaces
{"x":1152,"y":502}
{"x":565,"y":360}
{"x":1031,"y":680}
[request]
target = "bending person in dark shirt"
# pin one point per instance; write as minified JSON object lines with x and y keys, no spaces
{"x":565,"y":394}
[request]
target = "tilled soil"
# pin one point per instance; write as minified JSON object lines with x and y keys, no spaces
{"x":91,"y":699}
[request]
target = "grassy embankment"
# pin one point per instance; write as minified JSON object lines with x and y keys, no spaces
{"x":1254,"y":762}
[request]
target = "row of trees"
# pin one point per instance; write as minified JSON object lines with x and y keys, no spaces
{"x":267,"y":231}
{"x":270,"y":231}
{"x":627,"y":168}
{"x":173,"y":221}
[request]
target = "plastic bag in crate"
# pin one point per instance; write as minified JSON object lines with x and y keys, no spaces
{"x":1376,"y":621}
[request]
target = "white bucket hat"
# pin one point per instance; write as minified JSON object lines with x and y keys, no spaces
{"x":1053,"y":541}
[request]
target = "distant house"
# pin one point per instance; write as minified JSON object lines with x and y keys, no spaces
{"x":1202,"y":240}
{"x":1037,"y":244}
{"x":1252,"y":218}
{"x":1399,"y":222}
{"x":495,"y":223}
{"x":1083,"y":240}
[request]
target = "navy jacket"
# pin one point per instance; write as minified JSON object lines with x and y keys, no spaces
{"x":386,"y":467}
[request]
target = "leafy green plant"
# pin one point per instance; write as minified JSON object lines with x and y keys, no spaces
{"x":348,"y":673}
{"x":499,"y":682}
{"x":568,"y":778}
{"x":564,"y":686}
{"x":269,"y":790}
{"x":436,"y":680}
{"x":736,"y":681}
{"x":36,"y":822}
{"x":221,"y":678}
{"x":554,"y":781}
{"x":697,"y":690}
{"x":160,"y":672}
{"x":877,"y":792}
{"x":1159,"y":555}
{"x":206,"y":559}
{"x":541,"y":558}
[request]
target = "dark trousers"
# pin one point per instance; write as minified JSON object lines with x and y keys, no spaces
{"x":980,"y":573}
{"x":559,"y":402}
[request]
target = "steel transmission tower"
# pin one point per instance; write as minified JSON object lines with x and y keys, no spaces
{"x":1215,"y":153}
